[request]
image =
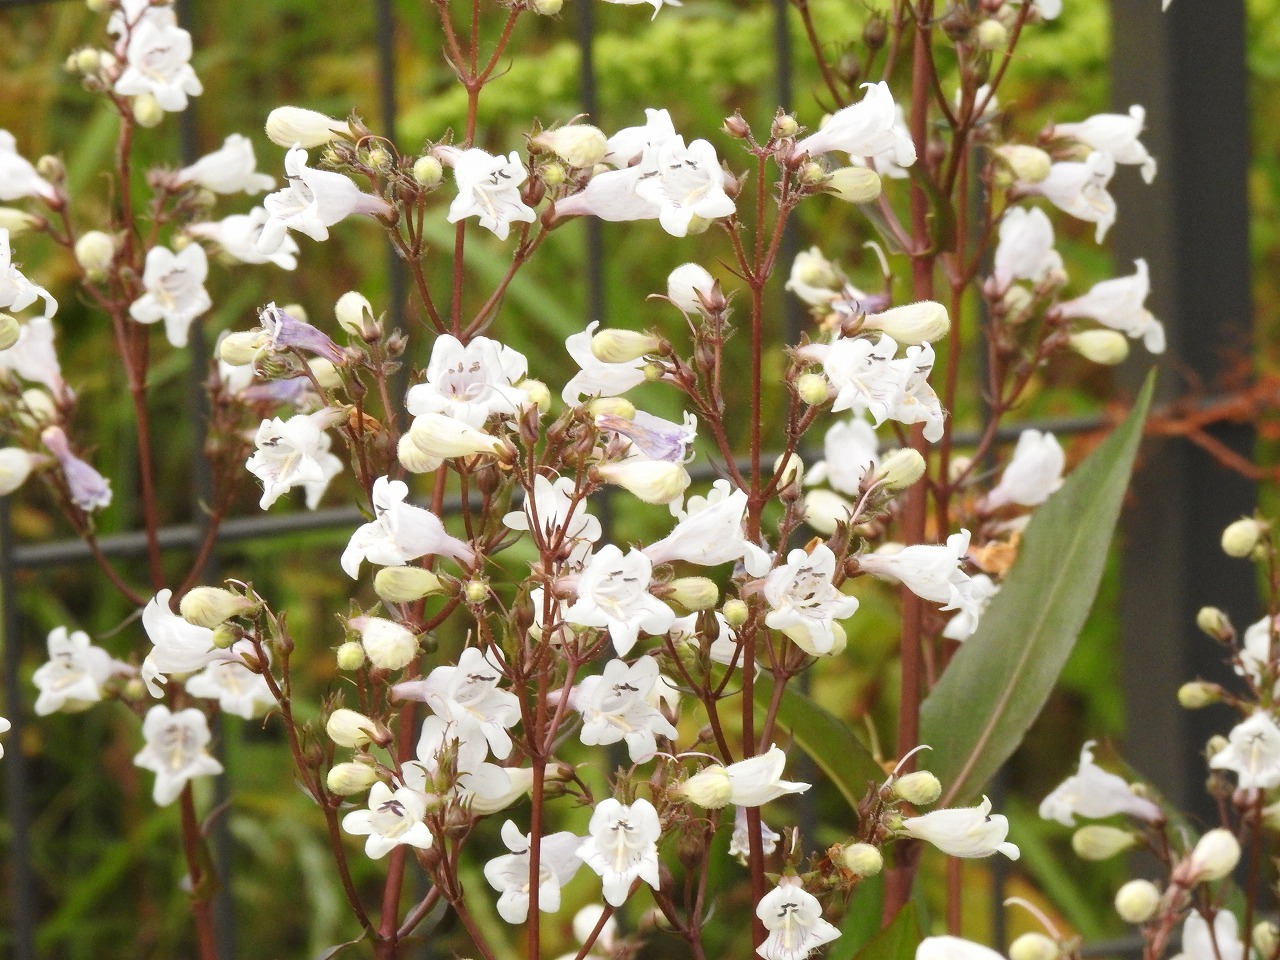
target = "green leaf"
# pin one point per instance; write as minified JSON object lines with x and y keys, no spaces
{"x":897,"y":941}
{"x":861,"y":922}
{"x":827,"y":739}
{"x":1000,"y":678}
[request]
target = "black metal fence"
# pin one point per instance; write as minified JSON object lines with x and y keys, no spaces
{"x":1188,"y":68}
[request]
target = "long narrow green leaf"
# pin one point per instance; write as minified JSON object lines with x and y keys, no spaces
{"x":827,"y":739}
{"x":999,"y":680}
{"x":897,"y":941}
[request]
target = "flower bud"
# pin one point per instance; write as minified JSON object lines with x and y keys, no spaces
{"x":685,"y":282}
{"x":710,"y":788}
{"x":1198,"y":694}
{"x":784,"y":125}
{"x":441,"y":436}
{"x":346,"y":779}
{"x":350,"y":656}
{"x":1106,"y":347}
{"x":210,"y":606}
{"x":290,"y":126}
{"x":579,"y":144}
{"x":825,"y":510}
{"x":552,"y":174}
{"x":1215,"y":623}
{"x":1266,"y":938}
{"x":862,"y":859}
{"x":736,"y":127}
{"x":1029,"y":164}
{"x":1239,"y":539}
{"x":1215,"y":856}
{"x":87,"y":60}
{"x":695,"y":593}
{"x":147,"y":110}
{"x":387,"y":644}
{"x":17,"y":221}
{"x":476,"y":591}
{"x":919,"y":789}
{"x":853,"y":184}
{"x":15,"y":466}
{"x":812,"y":174}
{"x":325,"y":373}
{"x":914,"y":323}
{"x":623,"y":346}
{"x":94,"y":252}
{"x":1097,"y":842}
{"x":1034,"y":946}
{"x":354,"y":314}
{"x":735,"y":612}
{"x":413,"y":459}
{"x":378,"y":159}
{"x":813,"y":388}
{"x":991,"y":35}
{"x":789,"y":471}
{"x":10,"y":330}
{"x":653,"y":481}
{"x":536,"y":394}
{"x":612,"y":407}
{"x":226,"y":635}
{"x":347,"y":728}
{"x":1215,"y":744}
{"x":1016,"y":301}
{"x":1137,"y":900}
{"x":98,"y":6}
{"x":428,"y":171}
{"x":901,"y":468}
{"x":406,"y":584}
{"x":546,"y":8}
{"x":240,"y":349}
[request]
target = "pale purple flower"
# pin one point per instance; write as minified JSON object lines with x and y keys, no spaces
{"x":283,"y":331}
{"x":89,"y":489}
{"x":653,"y":437}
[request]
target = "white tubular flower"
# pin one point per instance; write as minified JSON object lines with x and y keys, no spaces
{"x":1080,"y":189}
{"x":614,"y":706}
{"x":850,"y":449}
{"x":15,"y":466}
{"x":740,"y":841}
{"x":554,"y":517}
{"x":483,"y":787}
{"x":711,"y":532}
{"x":175,"y":751}
{"x":18,"y":178}
{"x":687,"y":182}
{"x":313,"y":201}
{"x":629,"y":144}
{"x":725,"y":648}
{"x":964,"y":831}
{"x":1026,"y":248}
{"x":230,"y":169}
{"x":622,"y":847}
{"x":752,"y":782}
{"x":391,"y":820}
{"x":175,"y":293}
{"x":470,"y":383}
{"x":1121,"y":305}
{"x":240,"y":234}
{"x":297,"y":126}
{"x":653,"y":481}
{"x":688,"y":285}
{"x":16,"y":291}
{"x":5,"y":726}
{"x":158,"y":63}
{"x":1252,"y":752}
{"x":239,"y":691}
{"x":400,"y":532}
{"x":805,"y":604}
{"x":441,"y":437}
{"x":73,"y":677}
{"x":657,"y":5}
{"x":294,"y":453}
{"x":981,"y":589}
{"x":1255,"y":651}
{"x":931,"y":572}
{"x":868,"y":128}
{"x":177,"y":646}
{"x":1221,"y":942}
{"x":1094,"y":793}
{"x":793,"y":917}
{"x":468,"y":697}
{"x":613,"y":592}
{"x":33,"y":357}
{"x":1034,"y":472}
{"x":815,"y":279}
{"x":867,"y":378}
{"x":488,"y":188}
{"x":954,"y":948}
{"x":912,"y":323}
{"x":509,"y":874}
{"x":1116,"y":134}
{"x":596,"y":378}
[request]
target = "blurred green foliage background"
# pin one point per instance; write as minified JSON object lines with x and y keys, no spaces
{"x":107,"y":860}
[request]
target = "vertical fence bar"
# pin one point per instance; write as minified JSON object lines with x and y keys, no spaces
{"x":593,"y":273}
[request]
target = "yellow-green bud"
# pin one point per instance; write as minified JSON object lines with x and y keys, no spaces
{"x":387,"y":644}
{"x":347,"y":728}
{"x":1239,"y":539}
{"x":623,"y":346}
{"x":552,"y":174}
{"x":1266,"y":938}
{"x":406,"y":584}
{"x":210,"y":606}
{"x":901,"y":468}
{"x":1106,"y":347}
{"x":710,"y":788}
{"x":785,"y":125}
{"x":1137,"y":901}
{"x":476,"y":591}
{"x":287,"y":126}
{"x":537,"y":394}
{"x":1016,"y":300}
{"x":653,"y":481}
{"x":1215,"y":623}
{"x":652,"y":372}
{"x":224,"y":636}
{"x":813,"y":173}
{"x":428,"y":171}
{"x":87,"y":61}
{"x":147,"y":110}
{"x":346,"y":779}
{"x":735,"y":612}
{"x":790,"y":470}
{"x":1215,"y":744}
{"x":825,"y":510}
{"x":40,"y":408}
{"x":98,"y":6}
{"x":1029,"y":164}
{"x":579,"y":145}
{"x":919,"y":789}
{"x":813,"y":388}
{"x":94,"y":252}
{"x":413,"y":459}
{"x":612,"y":407}
{"x":1215,"y":855}
{"x":546,"y":8}
{"x":854,"y":184}
{"x":991,"y":35}
{"x":350,"y":656}
{"x":354,"y":314}
{"x":325,"y":372}
{"x":10,"y":330}
{"x":378,"y":158}
{"x":17,"y":221}
{"x":1098,"y":842}
{"x":240,"y":349}
{"x":1034,"y":946}
{"x":1198,"y":694}
{"x":695,"y":593}
{"x":862,"y":859}
{"x":912,"y":323}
